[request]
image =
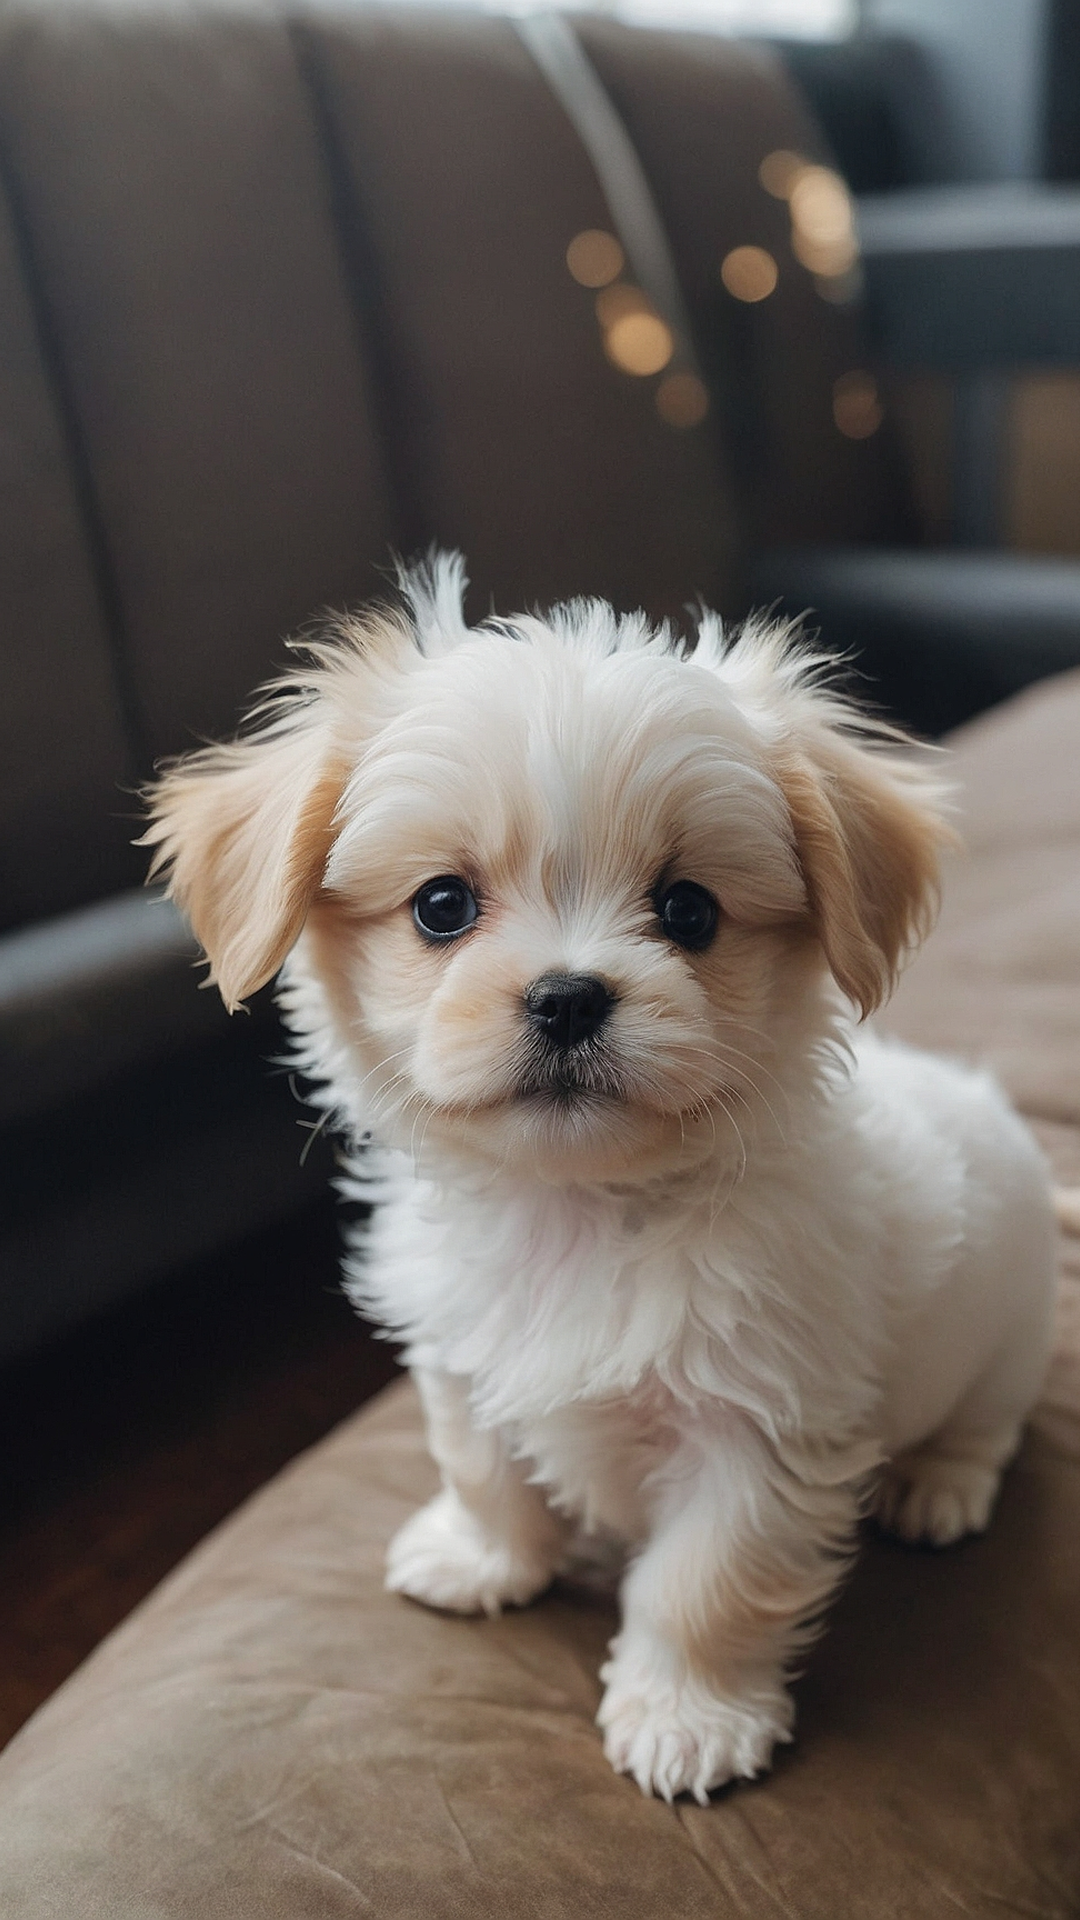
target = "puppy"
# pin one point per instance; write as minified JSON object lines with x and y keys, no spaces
{"x":577,"y":924}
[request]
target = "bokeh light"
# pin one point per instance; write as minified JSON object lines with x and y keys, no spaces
{"x":840,"y":289}
{"x":749,"y":273}
{"x":614,"y":303}
{"x":857,"y":408}
{"x":639,"y":342}
{"x":779,"y":171}
{"x":595,"y":257}
{"x":682,"y":400}
{"x":822,"y":222}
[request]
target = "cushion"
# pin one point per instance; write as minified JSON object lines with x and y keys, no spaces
{"x":87,"y":993}
{"x":186,"y":1137}
{"x":174,"y":192}
{"x":461,"y":183}
{"x":271,"y":1736}
{"x":703,"y":113}
{"x":935,"y":636}
{"x":63,"y":752}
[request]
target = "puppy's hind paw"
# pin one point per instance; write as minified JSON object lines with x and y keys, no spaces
{"x":446,"y":1558}
{"x":928,"y":1497}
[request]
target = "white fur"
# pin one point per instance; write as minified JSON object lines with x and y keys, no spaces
{"x":772,"y":1269}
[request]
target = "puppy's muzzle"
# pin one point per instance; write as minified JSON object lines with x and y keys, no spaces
{"x":565,"y":1009}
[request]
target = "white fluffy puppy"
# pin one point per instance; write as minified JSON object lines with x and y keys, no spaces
{"x":578,"y":923}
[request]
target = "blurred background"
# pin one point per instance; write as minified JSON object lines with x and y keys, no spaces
{"x":766,"y":302}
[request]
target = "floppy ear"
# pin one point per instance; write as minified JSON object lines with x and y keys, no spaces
{"x":868,"y":832}
{"x":243,"y":832}
{"x":868,"y":823}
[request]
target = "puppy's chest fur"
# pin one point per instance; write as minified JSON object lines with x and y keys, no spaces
{"x":607,"y":1331}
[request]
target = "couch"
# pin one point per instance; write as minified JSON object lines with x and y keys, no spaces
{"x":281,"y":292}
{"x":272,"y":1737}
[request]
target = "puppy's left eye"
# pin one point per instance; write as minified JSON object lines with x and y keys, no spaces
{"x":688,"y":915}
{"x":444,"y":908}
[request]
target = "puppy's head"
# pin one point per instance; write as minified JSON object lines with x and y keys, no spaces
{"x":567,"y":890}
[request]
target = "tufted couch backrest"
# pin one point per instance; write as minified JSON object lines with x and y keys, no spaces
{"x":283,"y":292}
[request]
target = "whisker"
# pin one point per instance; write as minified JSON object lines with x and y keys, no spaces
{"x":709,"y":1053}
{"x":752,"y":1084}
{"x":725,"y":1109}
{"x":740,"y":1055}
{"x":314,"y":1128}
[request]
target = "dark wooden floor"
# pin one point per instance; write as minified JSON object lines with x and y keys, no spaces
{"x":129,"y":1440}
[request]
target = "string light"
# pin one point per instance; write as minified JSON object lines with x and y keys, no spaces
{"x":822,"y":222}
{"x":749,"y":273}
{"x":639,"y":343}
{"x":857,"y":408}
{"x":595,"y":257}
{"x":779,"y":171}
{"x":682,"y":400}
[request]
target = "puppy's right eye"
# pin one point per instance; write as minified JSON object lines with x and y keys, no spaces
{"x":444,"y":908}
{"x":688,"y":915}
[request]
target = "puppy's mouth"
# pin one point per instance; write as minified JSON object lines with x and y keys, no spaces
{"x":571,"y":1079}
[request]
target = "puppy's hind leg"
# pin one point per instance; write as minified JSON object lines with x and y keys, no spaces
{"x":946,"y":1488}
{"x":489,"y":1539}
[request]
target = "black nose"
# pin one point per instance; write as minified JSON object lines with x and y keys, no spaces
{"x":568,"y":1007}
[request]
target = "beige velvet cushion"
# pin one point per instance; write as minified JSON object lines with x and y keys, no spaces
{"x":271,"y":1737}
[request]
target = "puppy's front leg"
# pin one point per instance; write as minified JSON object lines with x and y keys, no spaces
{"x":489,"y":1539}
{"x":744,"y":1550}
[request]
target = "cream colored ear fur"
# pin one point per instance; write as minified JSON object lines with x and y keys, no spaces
{"x":244,"y":832}
{"x":869,"y":833}
{"x":867,"y":816}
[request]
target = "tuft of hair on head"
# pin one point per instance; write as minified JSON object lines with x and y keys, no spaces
{"x":433,"y":590}
{"x":868,"y":814}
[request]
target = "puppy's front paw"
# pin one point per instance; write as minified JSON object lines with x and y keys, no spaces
{"x":683,"y":1738}
{"x":444,"y":1557}
{"x":931,"y":1498}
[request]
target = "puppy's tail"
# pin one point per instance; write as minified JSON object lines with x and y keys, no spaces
{"x":1067,"y":1208}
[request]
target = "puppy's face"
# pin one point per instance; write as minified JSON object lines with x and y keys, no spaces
{"x":557,"y":907}
{"x":562,"y":887}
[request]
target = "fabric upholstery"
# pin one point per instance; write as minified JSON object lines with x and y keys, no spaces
{"x":171,"y":177}
{"x":86,"y":994}
{"x":281,"y":294}
{"x":272,"y":1737}
{"x":156,"y":1166}
{"x":517,"y":440}
{"x":934,"y":637}
{"x":63,"y":751}
{"x":1001,"y":980}
{"x":703,"y":114}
